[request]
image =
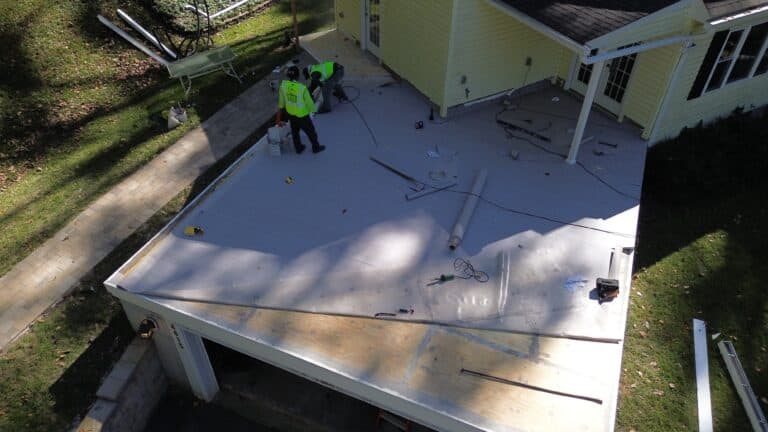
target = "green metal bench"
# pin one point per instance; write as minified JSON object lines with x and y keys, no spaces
{"x":203,"y":63}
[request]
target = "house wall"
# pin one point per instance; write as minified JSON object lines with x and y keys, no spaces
{"x":348,"y":17}
{"x":681,"y":113}
{"x":490,"y":48}
{"x":648,"y":85}
{"x":414,"y":42}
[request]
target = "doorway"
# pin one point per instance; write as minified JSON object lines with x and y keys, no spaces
{"x":373,"y":26}
{"x":613,"y":85}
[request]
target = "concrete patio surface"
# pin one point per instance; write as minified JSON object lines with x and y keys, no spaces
{"x":50,"y":272}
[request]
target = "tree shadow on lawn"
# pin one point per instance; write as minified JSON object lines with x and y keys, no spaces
{"x":702,"y":198}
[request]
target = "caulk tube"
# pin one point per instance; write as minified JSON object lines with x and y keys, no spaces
{"x":462,"y":223}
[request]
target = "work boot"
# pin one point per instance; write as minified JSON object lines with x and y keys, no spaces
{"x":300,"y":148}
{"x":318,"y":149}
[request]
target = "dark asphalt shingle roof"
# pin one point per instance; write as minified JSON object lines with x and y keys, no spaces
{"x":584,"y":20}
{"x":721,"y":8}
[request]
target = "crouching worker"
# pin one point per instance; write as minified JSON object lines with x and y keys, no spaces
{"x":295,"y":100}
{"x":328,"y":77}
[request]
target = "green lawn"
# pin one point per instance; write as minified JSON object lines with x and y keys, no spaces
{"x":701,"y":254}
{"x":82,"y":109}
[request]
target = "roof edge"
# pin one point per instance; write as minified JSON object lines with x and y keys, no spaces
{"x":582,"y":49}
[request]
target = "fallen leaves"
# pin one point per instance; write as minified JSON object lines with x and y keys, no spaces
{"x":658,"y":392}
{"x":672,"y":385}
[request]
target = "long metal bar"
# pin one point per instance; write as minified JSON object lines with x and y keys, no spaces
{"x":133,"y":41}
{"x":528,"y":386}
{"x":219,"y":13}
{"x":149,"y":36}
{"x":740,"y":381}
{"x":635,"y":49}
{"x":702,"y":375}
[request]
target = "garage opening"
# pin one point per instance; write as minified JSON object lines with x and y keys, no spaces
{"x":287,"y":402}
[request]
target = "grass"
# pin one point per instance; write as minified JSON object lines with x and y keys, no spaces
{"x":701,"y":254}
{"x":82,"y":110}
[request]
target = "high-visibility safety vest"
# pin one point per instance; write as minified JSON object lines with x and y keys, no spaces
{"x":295,"y":98}
{"x":325,"y":69}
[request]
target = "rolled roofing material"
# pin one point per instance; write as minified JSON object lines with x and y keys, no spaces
{"x":462,"y":223}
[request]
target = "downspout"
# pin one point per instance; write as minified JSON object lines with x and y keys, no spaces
{"x":449,"y":63}
{"x":668,"y":93}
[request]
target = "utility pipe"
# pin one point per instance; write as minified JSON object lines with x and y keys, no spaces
{"x":462,"y":223}
{"x":295,"y":24}
{"x":149,"y":36}
{"x":133,"y":41}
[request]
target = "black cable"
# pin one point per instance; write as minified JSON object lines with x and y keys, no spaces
{"x":610,"y":186}
{"x":365,"y":122}
{"x":357,"y":96}
{"x":465,"y":270}
{"x":533,"y":215}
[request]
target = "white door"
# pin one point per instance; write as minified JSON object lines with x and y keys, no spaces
{"x":613,"y":82}
{"x":373,"y":26}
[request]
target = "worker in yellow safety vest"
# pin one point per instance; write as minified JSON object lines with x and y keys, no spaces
{"x":294,"y":99}
{"x":327,"y":76}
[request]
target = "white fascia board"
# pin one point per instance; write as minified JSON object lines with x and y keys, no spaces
{"x":635,"y":49}
{"x":582,"y":50}
{"x":601,"y":41}
{"x":335,"y":379}
{"x":724,"y":21}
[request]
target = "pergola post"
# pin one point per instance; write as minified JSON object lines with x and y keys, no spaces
{"x":586,"y":107}
{"x":197,"y":365}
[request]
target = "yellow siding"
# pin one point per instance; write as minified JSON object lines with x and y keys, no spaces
{"x":747,"y":93}
{"x":414,"y":42}
{"x":564,"y":67}
{"x":647,"y":87}
{"x":490,"y":49}
{"x":348,"y":17}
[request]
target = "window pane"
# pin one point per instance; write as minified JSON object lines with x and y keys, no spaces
{"x":730,"y":45}
{"x":585,"y":73}
{"x":746,"y":58}
{"x":706,"y":66}
{"x":718,"y":76}
{"x":763,"y":66}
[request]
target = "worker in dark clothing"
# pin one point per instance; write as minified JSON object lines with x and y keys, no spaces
{"x":295,"y":100}
{"x":328,"y":77}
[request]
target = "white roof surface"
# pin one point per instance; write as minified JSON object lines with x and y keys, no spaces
{"x":341,"y":239}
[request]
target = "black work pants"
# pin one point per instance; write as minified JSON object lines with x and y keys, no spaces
{"x":303,"y":124}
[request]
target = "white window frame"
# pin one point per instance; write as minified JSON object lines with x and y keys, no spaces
{"x":732,"y":60}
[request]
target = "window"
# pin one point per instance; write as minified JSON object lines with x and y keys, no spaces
{"x":749,"y":52}
{"x":732,"y":56}
{"x":618,"y":79}
{"x":585,"y":73}
{"x":723,"y":65}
